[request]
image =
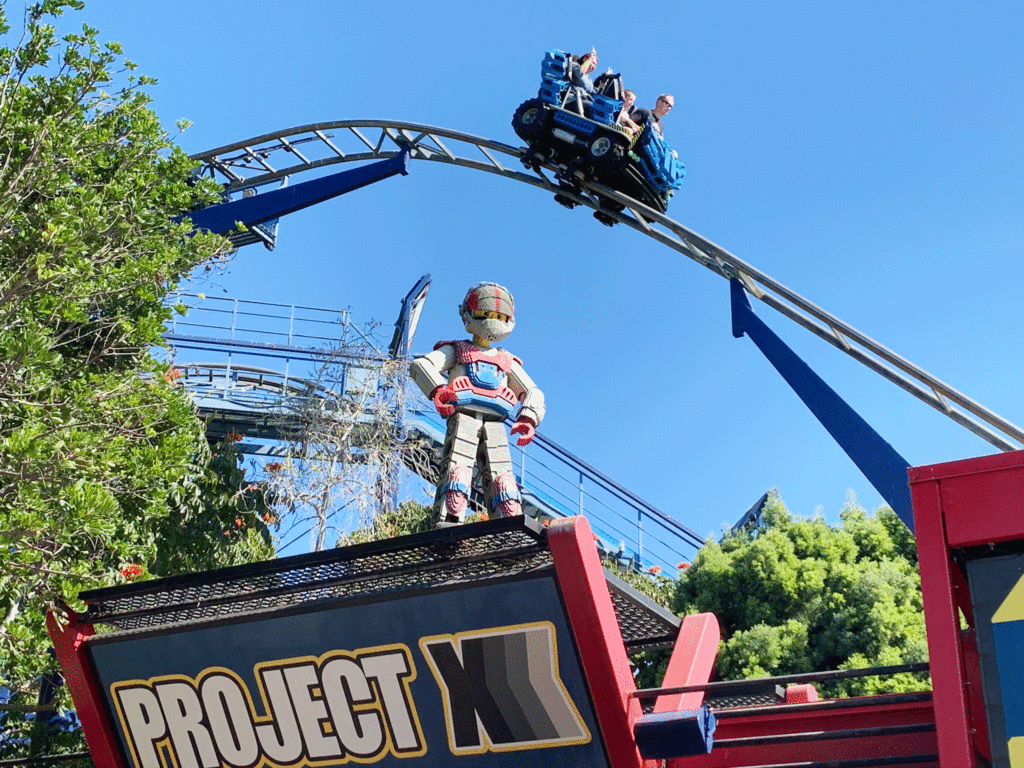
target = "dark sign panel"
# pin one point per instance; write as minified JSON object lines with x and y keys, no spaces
{"x":482,"y":675}
{"x":997,"y":592}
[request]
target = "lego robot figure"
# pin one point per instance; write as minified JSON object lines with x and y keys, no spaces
{"x":476,"y":387}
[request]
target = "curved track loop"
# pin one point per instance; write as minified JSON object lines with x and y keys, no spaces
{"x":310,"y":147}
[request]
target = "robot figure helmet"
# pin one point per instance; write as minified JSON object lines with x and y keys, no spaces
{"x":488,"y":311}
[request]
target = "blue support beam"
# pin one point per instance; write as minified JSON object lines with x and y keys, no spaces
{"x":223,"y":218}
{"x":884,"y":468}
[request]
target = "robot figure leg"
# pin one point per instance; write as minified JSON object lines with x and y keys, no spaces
{"x":504,"y":497}
{"x":460,"y":444}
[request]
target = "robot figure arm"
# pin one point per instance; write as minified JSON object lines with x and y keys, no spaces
{"x":428,"y":373}
{"x":531,"y":410}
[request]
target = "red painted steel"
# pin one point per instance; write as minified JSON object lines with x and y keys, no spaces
{"x":943,"y":625}
{"x":816,"y":718}
{"x":68,"y":643}
{"x":981,"y":500}
{"x":691,"y":662}
{"x":961,"y":504}
{"x":975,"y":693}
{"x":602,"y":653}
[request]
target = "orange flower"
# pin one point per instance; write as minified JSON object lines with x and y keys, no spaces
{"x":240,"y":522}
{"x":133,"y":571}
{"x":272,"y":466}
{"x":233,"y":437}
{"x":655,"y":569}
{"x":683,"y":566}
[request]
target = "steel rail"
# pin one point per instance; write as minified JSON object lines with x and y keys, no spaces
{"x":244,"y":164}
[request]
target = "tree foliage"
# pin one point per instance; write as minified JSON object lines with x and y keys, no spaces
{"x":105,"y":473}
{"x":341,"y":465}
{"x":795,"y":595}
{"x":409,"y":517}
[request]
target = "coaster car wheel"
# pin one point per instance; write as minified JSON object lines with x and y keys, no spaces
{"x":529,"y":120}
{"x":607,"y":152}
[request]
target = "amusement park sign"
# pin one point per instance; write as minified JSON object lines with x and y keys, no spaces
{"x":307,"y":689}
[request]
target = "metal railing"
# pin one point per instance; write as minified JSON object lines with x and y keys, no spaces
{"x":560,"y":484}
{"x":244,"y":334}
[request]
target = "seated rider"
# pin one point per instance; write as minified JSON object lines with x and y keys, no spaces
{"x":641,"y":115}
{"x":625,"y":114}
{"x":580,"y":68}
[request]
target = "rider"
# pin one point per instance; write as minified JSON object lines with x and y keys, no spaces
{"x":662,"y":106}
{"x":580,"y":68}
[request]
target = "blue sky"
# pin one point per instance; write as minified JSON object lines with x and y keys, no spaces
{"x":869,"y":156}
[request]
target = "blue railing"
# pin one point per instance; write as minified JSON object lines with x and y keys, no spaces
{"x":561,"y":484}
{"x":555,"y":482}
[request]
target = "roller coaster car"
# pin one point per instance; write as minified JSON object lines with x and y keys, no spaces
{"x":577,"y":132}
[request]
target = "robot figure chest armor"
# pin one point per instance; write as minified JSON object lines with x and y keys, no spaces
{"x":479,"y":379}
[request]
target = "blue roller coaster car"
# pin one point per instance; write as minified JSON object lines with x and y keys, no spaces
{"x":577,"y":132}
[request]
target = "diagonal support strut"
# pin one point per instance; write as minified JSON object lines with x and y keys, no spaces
{"x":884,"y":468}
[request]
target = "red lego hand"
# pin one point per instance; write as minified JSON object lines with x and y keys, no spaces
{"x":526,"y":429}
{"x":443,"y":399}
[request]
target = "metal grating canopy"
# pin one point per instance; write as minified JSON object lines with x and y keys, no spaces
{"x":493,"y":549}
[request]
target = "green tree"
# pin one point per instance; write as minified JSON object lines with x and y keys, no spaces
{"x":795,"y":595}
{"x":105,"y":472}
{"x":410,"y":517}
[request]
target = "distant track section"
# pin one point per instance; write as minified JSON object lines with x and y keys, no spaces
{"x":256,"y":161}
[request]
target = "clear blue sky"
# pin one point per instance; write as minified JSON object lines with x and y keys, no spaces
{"x":870,"y":156}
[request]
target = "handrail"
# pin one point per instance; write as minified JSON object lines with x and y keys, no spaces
{"x":553,"y":478}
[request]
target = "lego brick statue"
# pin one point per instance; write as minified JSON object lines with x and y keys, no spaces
{"x":476,"y":386}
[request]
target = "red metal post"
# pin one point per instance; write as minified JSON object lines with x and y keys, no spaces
{"x":68,"y":643}
{"x":943,"y":624}
{"x":592,"y":616}
{"x":692,"y":659}
{"x":957,"y":505}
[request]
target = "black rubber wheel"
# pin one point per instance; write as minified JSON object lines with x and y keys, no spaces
{"x":529,"y":120}
{"x":607,"y":152}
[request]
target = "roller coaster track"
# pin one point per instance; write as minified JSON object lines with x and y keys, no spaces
{"x":246,"y":164}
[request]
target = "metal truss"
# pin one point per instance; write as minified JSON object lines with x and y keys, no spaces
{"x":262,"y":159}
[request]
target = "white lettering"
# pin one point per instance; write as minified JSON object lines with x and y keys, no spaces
{"x":311,"y":712}
{"x":184,"y":715}
{"x":280,"y":738}
{"x":345,"y":686}
{"x":388,"y":669}
{"x":230,"y":720}
{"x":143,"y":723}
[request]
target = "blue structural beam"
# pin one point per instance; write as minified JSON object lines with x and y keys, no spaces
{"x":409,"y":318}
{"x":223,"y":218}
{"x":884,"y":468}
